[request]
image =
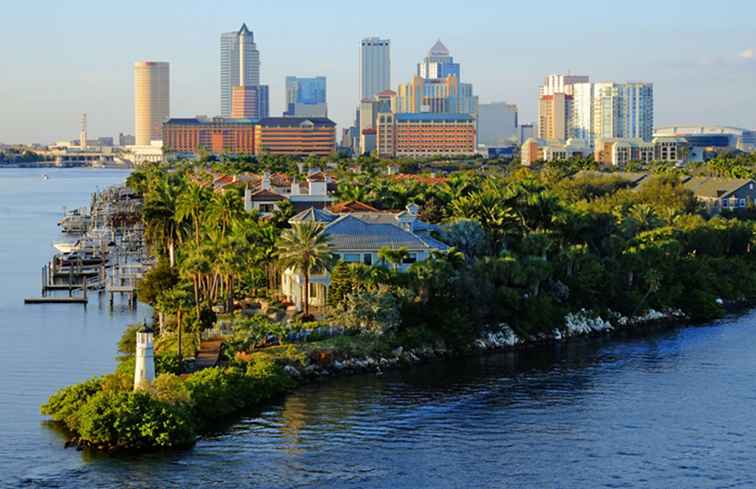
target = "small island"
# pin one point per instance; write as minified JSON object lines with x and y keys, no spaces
{"x":269,"y":272}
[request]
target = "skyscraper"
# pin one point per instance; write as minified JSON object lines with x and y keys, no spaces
{"x":151,"y":100}
{"x":557,"y":83}
{"x":438,"y":64}
{"x":554,"y":113}
{"x":375,"y":67}
{"x":306,"y":97}
{"x":437,"y":87}
{"x":556,"y":105}
{"x":623,"y":110}
{"x":236,"y":46}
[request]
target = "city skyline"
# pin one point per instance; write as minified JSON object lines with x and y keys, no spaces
{"x":701,"y":75}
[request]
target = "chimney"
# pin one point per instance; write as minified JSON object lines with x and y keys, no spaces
{"x":295,"y":186}
{"x":247,"y":199}
{"x":266,"y":180}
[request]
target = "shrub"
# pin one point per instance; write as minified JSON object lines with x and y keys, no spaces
{"x":65,"y":405}
{"x":134,"y":420}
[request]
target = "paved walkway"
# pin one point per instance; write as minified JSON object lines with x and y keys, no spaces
{"x":208,"y":354}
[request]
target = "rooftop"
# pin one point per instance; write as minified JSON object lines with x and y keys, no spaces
{"x":434,"y":117}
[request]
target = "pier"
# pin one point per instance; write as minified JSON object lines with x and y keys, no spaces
{"x":109,"y":258}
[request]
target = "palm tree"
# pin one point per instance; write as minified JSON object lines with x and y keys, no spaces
{"x":159,"y":211}
{"x":395,"y":256}
{"x":225,"y":207}
{"x":304,"y":248}
{"x":189,"y":207}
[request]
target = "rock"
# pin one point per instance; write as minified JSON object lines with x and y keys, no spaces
{"x":311,"y":370}
{"x":291,"y":371}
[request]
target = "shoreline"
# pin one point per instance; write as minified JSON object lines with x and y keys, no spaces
{"x":320,"y":368}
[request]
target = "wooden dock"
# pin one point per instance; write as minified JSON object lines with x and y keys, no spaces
{"x":51,"y":299}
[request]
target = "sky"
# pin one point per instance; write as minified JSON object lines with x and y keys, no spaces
{"x":59,"y":59}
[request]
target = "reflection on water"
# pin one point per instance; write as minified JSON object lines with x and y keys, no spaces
{"x":673,"y":410}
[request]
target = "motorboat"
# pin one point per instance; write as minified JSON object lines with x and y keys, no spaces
{"x":75,"y":221}
{"x":67,"y":246}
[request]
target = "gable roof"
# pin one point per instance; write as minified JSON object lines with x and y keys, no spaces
{"x":313,"y":214}
{"x":266,"y":196}
{"x":352,"y":206}
{"x":715,"y":187}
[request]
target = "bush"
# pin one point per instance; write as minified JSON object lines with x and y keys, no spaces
{"x":134,"y":420}
{"x":65,"y":405}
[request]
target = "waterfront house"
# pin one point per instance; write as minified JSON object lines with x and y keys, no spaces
{"x":357,"y":237}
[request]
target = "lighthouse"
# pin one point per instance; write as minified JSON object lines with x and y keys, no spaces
{"x":144,"y":368}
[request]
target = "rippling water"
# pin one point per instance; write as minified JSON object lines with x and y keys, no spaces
{"x":674,"y":410}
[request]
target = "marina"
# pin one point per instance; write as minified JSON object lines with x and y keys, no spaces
{"x":104,"y":252}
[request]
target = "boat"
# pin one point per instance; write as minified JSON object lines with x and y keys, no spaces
{"x":80,"y":259}
{"x":66,"y":246}
{"x":75,"y":221}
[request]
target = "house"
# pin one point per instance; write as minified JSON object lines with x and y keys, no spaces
{"x":272,"y":192}
{"x":722,"y":193}
{"x":357,"y":237}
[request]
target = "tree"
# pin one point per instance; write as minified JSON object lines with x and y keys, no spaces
{"x":305,"y":248}
{"x":189,"y":207}
{"x":394,"y":256}
{"x":161,"y":226}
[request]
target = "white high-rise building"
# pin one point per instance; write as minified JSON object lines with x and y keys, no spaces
{"x":581,"y":125}
{"x":375,"y":67}
{"x":560,"y":84}
{"x":151,"y":100}
{"x":623,"y":110}
{"x":234,"y":46}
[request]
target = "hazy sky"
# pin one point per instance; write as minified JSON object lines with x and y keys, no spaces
{"x":61,"y":58}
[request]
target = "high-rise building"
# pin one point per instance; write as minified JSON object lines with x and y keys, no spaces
{"x":560,"y":84}
{"x":438,"y":64}
{"x":151,"y":100}
{"x":375,"y":66}
{"x":582,"y":112}
{"x":623,"y":110}
{"x":306,"y":97}
{"x":437,"y":87}
{"x":554,"y":112}
{"x":237,"y":47}
{"x":423,"y":135}
{"x":249,"y":99}
{"x":497,"y":123}
{"x":249,"y":102}
{"x":555,"y":97}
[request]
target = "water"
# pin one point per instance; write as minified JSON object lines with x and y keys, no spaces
{"x":673,"y":410}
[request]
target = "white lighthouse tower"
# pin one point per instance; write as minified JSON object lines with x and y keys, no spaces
{"x":144,"y":368}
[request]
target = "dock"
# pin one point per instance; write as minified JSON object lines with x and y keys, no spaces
{"x":114,"y":256}
{"x":51,"y":299}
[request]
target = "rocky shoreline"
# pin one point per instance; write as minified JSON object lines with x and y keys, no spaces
{"x":324,"y":364}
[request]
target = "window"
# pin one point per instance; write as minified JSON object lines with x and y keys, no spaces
{"x":742,"y":203}
{"x":267,"y":207}
{"x":724,"y":202}
{"x":351,"y":257}
{"x":313,"y":291}
{"x":367,"y":258}
{"x":411,"y":258}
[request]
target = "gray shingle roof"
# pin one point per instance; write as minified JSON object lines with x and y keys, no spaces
{"x":714,"y":187}
{"x":352,"y":233}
